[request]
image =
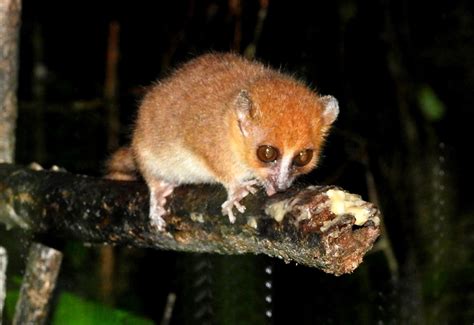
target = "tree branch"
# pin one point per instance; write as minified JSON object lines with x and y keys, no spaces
{"x":321,"y":227}
{"x":10,"y":12}
{"x":42,"y":269}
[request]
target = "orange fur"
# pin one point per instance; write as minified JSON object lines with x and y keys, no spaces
{"x":193,"y":110}
{"x":121,"y":165}
{"x":204,"y":123}
{"x":288,"y":117}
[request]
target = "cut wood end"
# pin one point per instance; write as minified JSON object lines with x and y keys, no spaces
{"x":345,"y":226}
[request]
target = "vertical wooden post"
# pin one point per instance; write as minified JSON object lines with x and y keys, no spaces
{"x":42,"y":268}
{"x":235,"y":8}
{"x":3,"y":279}
{"x":107,"y":253}
{"x":9,"y":31}
{"x":111,"y":86}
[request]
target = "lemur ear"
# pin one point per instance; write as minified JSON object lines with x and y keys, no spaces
{"x":244,"y":110}
{"x":243,"y":104}
{"x":330,"y":109}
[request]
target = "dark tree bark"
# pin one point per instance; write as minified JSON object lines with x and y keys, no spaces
{"x":42,"y":269}
{"x":9,"y":30}
{"x":322,"y":227}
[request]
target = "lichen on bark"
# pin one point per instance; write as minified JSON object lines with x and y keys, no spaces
{"x":9,"y":38}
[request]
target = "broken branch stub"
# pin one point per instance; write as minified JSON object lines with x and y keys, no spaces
{"x":42,"y":269}
{"x":318,"y":226}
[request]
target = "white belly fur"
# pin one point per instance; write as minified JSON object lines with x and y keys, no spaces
{"x":178,"y":167}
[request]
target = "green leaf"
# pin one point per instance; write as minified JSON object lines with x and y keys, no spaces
{"x":431,"y":106}
{"x":74,"y":310}
{"x":10,"y":302}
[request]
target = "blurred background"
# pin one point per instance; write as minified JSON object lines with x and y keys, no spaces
{"x":403,"y":72}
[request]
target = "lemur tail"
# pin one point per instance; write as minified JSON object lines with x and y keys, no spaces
{"x":121,"y":165}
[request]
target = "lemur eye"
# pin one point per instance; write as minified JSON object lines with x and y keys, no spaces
{"x":267,"y":153}
{"x":303,"y":158}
